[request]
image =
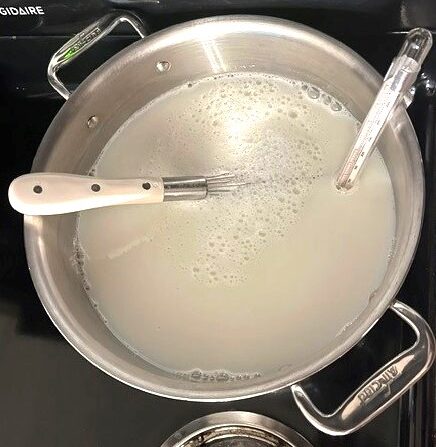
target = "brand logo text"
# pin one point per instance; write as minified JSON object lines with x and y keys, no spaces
{"x":22,"y":11}
{"x":378,"y":384}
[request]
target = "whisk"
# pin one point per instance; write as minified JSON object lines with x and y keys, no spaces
{"x":50,"y":193}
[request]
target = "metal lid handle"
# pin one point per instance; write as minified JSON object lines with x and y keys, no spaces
{"x":83,"y":41}
{"x":382,"y":389}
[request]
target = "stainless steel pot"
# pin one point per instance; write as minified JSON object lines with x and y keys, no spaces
{"x":152,"y":66}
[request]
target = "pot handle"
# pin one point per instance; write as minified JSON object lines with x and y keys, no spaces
{"x":382,"y":389}
{"x":85,"y":40}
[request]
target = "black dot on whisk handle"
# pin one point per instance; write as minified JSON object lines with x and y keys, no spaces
{"x":146,"y":186}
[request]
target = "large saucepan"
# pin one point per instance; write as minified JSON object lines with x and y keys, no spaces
{"x":155,"y":64}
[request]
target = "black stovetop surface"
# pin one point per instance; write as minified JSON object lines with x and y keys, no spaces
{"x":51,"y":396}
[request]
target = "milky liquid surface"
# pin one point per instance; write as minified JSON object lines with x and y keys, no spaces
{"x":251,"y":281}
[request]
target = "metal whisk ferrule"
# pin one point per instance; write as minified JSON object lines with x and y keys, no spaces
{"x":197,"y":187}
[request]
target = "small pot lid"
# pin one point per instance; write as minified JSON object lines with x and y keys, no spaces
{"x":235,"y":429}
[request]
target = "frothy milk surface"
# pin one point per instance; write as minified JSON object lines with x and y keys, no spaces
{"x":252,"y":281}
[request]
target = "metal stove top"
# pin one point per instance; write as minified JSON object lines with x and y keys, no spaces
{"x":49,"y":394}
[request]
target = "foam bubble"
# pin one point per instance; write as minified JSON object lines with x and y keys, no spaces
{"x":78,"y":261}
{"x":198,"y":375}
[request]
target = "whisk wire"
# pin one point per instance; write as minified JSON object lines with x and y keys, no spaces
{"x":222,"y":183}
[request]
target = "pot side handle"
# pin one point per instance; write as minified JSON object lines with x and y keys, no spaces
{"x":382,"y":389}
{"x":84,"y":40}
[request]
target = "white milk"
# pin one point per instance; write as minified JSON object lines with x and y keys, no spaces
{"x":249,"y":282}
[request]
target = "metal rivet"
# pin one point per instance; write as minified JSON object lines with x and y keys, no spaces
{"x":37,"y":189}
{"x":95,"y":187}
{"x":163,"y":66}
{"x":146,"y":185}
{"x":92,"y":121}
